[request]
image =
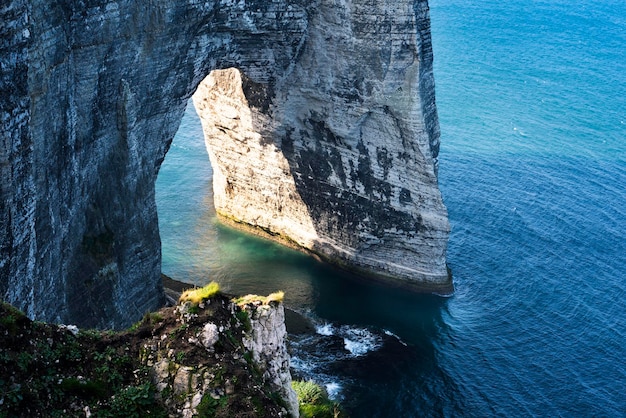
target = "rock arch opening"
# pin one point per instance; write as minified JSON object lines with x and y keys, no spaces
{"x":330,"y":177}
{"x":195,"y":247}
{"x":184,"y":198}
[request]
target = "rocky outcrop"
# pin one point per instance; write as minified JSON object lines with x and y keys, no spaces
{"x":92,"y":92}
{"x":220,"y":337}
{"x":266,"y":340}
{"x":338,"y":155}
{"x":183,"y":361}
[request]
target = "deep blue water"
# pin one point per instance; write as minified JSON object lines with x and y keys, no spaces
{"x":532,"y":104}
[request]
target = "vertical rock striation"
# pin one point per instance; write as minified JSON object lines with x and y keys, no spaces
{"x":92,"y":92}
{"x":18,"y":246}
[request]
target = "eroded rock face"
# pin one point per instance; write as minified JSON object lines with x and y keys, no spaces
{"x":189,"y":360}
{"x":212,"y":352}
{"x":92,"y":92}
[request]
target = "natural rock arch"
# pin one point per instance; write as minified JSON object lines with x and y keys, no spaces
{"x":93,"y":92}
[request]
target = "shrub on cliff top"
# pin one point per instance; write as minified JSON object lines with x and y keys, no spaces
{"x":196,"y":296}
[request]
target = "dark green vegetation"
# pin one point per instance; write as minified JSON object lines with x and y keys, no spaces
{"x":47,"y":370}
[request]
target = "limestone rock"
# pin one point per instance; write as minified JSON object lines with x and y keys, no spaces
{"x":182,"y":387}
{"x":266,"y":340}
{"x":92,"y":92}
{"x":210,"y":335}
{"x":153,"y":367}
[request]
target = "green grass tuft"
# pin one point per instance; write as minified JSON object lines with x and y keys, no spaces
{"x":195,"y":296}
{"x":209,"y":406}
{"x":276,"y":297}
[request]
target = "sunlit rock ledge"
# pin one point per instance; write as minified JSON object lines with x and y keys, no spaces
{"x":92,"y":93}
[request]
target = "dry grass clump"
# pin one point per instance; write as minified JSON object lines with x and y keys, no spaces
{"x":196,"y":296}
{"x":276,"y":297}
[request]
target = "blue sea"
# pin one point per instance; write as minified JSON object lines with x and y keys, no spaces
{"x":532,"y":104}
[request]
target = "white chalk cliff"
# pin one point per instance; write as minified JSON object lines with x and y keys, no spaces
{"x":328,"y":137}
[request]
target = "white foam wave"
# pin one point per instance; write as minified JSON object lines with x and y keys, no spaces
{"x":333,"y":389}
{"x":301,"y":364}
{"x":391,"y":334}
{"x":359,"y":341}
{"x":326,"y":329}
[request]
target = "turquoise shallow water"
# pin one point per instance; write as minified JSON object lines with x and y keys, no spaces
{"x":532,"y":105}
